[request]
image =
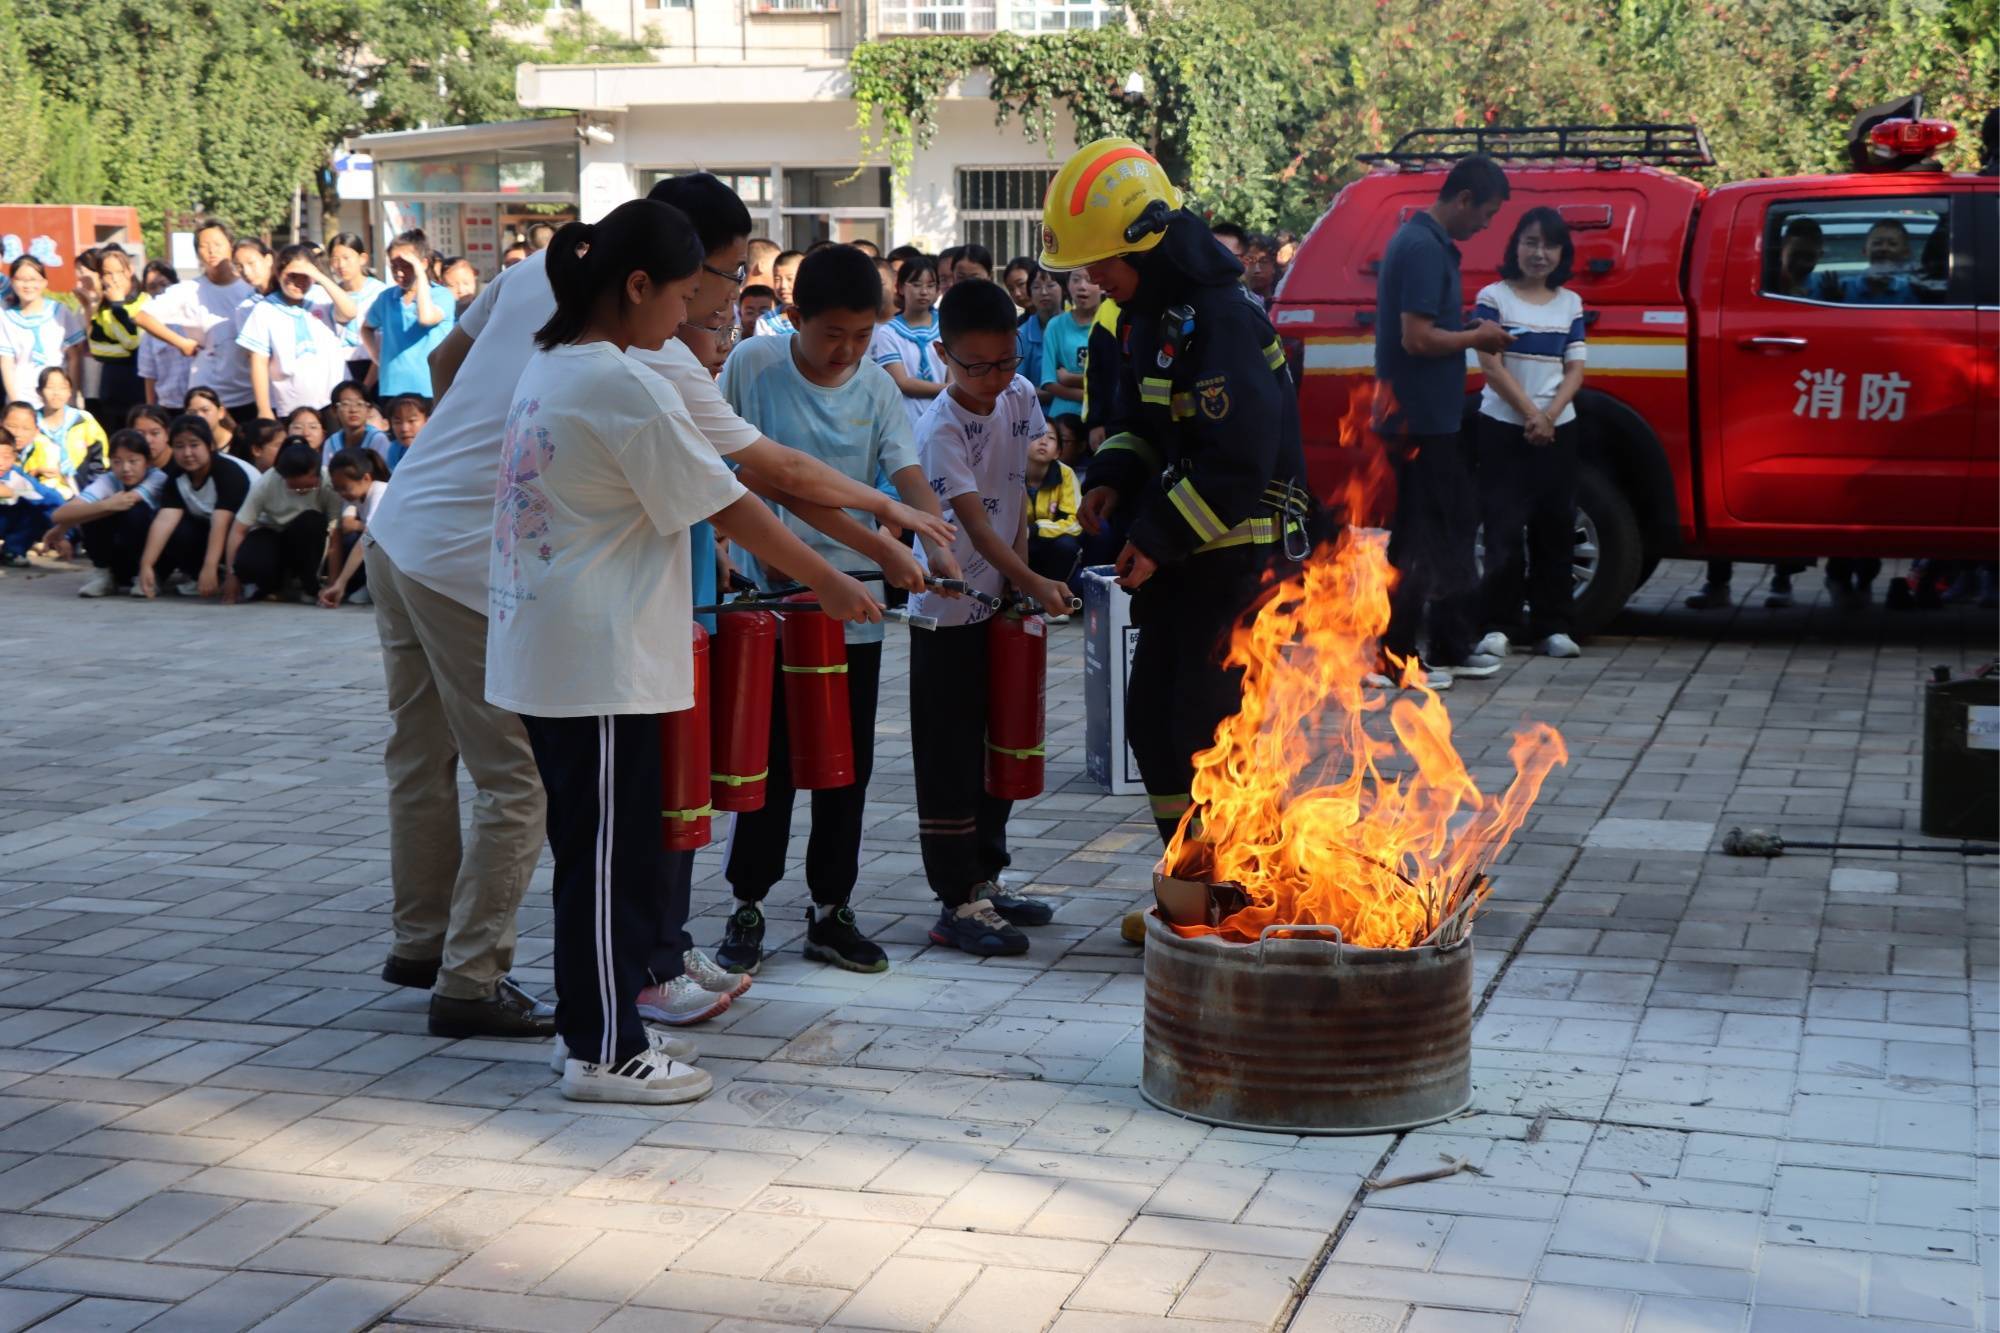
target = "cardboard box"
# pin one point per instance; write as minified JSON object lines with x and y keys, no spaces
{"x":1108,"y":641}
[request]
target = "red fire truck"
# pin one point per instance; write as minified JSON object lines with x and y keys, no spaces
{"x":1734,"y":407}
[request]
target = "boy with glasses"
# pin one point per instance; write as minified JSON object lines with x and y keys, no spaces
{"x":974,"y":445}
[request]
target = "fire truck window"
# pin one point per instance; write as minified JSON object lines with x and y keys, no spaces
{"x":1860,"y":252}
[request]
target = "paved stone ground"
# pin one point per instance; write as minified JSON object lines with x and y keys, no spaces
{"x":1712,"y":1094}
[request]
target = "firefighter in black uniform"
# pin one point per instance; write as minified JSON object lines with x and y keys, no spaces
{"x":1201,"y":462}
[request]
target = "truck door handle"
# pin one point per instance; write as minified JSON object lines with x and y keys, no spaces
{"x":1773,"y":344}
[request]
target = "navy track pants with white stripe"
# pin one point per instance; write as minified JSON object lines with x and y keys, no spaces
{"x":602,"y":775}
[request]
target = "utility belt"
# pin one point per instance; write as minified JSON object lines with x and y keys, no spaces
{"x":1287,"y":519}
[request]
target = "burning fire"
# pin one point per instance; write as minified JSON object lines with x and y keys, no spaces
{"x":1291,"y":802}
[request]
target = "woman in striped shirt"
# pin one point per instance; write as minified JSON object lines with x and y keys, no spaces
{"x":1526,"y":438}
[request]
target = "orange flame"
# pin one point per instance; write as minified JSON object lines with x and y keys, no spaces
{"x":1292,"y":803}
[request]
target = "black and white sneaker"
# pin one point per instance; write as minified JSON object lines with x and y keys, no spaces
{"x":742,"y":948}
{"x":648,"y":1078}
{"x":663,"y":1044}
{"x":838,"y":940}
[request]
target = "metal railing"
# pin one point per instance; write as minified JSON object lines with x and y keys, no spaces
{"x":923,"y":17}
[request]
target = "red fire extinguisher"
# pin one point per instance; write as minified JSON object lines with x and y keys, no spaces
{"x":1017,"y":670}
{"x":816,"y":711}
{"x":746,"y":651}
{"x":684,"y":806}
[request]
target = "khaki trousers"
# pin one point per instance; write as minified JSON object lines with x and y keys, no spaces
{"x":451,"y":900}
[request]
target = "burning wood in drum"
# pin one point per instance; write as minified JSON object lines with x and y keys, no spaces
{"x":1310,"y":966}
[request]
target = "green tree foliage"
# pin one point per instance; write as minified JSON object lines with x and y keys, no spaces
{"x":1262,"y":105}
{"x":230,"y":106}
{"x":21,"y":164}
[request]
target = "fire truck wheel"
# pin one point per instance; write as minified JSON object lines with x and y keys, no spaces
{"x":1609,"y":551}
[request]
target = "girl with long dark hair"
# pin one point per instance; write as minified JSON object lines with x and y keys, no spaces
{"x":602,"y":473}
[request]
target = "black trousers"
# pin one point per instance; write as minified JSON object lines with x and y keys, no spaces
{"x":116,"y":541}
{"x":186,"y":548}
{"x":267,"y":555}
{"x":1179,"y":691}
{"x":961,"y":831}
{"x":1430,"y":545}
{"x":761,"y":838}
{"x":602,"y":776}
{"x":1054,"y":557}
{"x":119,"y":390}
{"x":666,"y":958}
{"x":1527,"y":500}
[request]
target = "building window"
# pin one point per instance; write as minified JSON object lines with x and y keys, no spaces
{"x":1001,"y":209}
{"x":752,"y":186}
{"x":1024,"y":16}
{"x":834,"y":204}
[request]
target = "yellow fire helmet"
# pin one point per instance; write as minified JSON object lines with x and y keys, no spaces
{"x":1095,"y":201}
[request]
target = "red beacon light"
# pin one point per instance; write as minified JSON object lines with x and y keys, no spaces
{"x":1900,"y":140}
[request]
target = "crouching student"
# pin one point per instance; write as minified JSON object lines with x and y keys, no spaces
{"x":115,"y":512}
{"x":1055,"y":536}
{"x":602,"y":472}
{"x":974,"y":446}
{"x":281,"y":530}
{"x":198,"y":505}
{"x":361,"y":478}
{"x":407,"y":417}
{"x":818,"y":392}
{"x":26,"y":506}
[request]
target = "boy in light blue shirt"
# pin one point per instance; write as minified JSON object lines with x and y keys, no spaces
{"x":818,"y":392}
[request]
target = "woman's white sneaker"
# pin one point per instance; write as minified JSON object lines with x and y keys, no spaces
{"x":663,"y":1044}
{"x":680,"y":1002}
{"x":647,"y":1078}
{"x":99,"y":584}
{"x":711,"y":977}
{"x":1493,"y":645}
{"x":1560,"y":645}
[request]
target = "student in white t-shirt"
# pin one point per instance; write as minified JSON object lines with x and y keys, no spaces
{"x":974,"y":449}
{"x":602,"y":472}
{"x":1526,"y":439}
{"x":115,"y":511}
{"x":296,"y":352}
{"x":206,"y":310}
{"x":361,"y":478}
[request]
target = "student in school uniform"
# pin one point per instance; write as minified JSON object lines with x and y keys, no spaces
{"x":114,"y":513}
{"x":295,"y":348}
{"x":408,"y":320}
{"x":906,"y":345}
{"x":205,"y":309}
{"x":204,"y":489}
{"x":361,"y":477}
{"x":602,"y":473}
{"x":974,"y":447}
{"x":70,"y":446}
{"x":36,"y":332}
{"x":26,"y":507}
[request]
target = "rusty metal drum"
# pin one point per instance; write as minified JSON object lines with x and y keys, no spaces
{"x":1306,"y":1035}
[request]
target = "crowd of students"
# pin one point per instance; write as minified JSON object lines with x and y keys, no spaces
{"x":271,"y":397}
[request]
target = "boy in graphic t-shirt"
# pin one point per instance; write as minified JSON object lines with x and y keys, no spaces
{"x":974,"y":445}
{"x":819,"y":393}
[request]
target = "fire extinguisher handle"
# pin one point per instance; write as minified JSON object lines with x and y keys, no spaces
{"x":1028,"y":606}
{"x":964,"y":589}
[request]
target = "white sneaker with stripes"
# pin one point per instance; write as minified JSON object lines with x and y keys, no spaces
{"x":648,"y":1078}
{"x":663,"y":1044}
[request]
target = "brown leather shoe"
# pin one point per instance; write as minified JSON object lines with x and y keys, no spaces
{"x":508,"y":1012}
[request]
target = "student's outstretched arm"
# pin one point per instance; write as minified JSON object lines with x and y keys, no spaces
{"x":748,"y":523}
{"x":899,"y":567}
{"x":1007,"y":554}
{"x":799,"y":474}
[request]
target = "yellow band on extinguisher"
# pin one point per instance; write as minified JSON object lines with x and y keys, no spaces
{"x":839,"y":670}
{"x":1032,"y":752}
{"x":688,"y":816}
{"x":735,"y":780}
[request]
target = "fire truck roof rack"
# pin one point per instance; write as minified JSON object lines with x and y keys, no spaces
{"x":1661,"y":145}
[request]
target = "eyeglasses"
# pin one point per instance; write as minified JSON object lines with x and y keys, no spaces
{"x":978,"y":368}
{"x":725,"y":334}
{"x":742,"y":272}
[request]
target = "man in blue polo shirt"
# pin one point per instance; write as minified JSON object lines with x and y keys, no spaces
{"x":1420,"y":344}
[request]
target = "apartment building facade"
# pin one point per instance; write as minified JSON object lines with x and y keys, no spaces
{"x":756,"y":91}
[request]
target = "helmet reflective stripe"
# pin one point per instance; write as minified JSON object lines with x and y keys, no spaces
{"x":1101,"y":190}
